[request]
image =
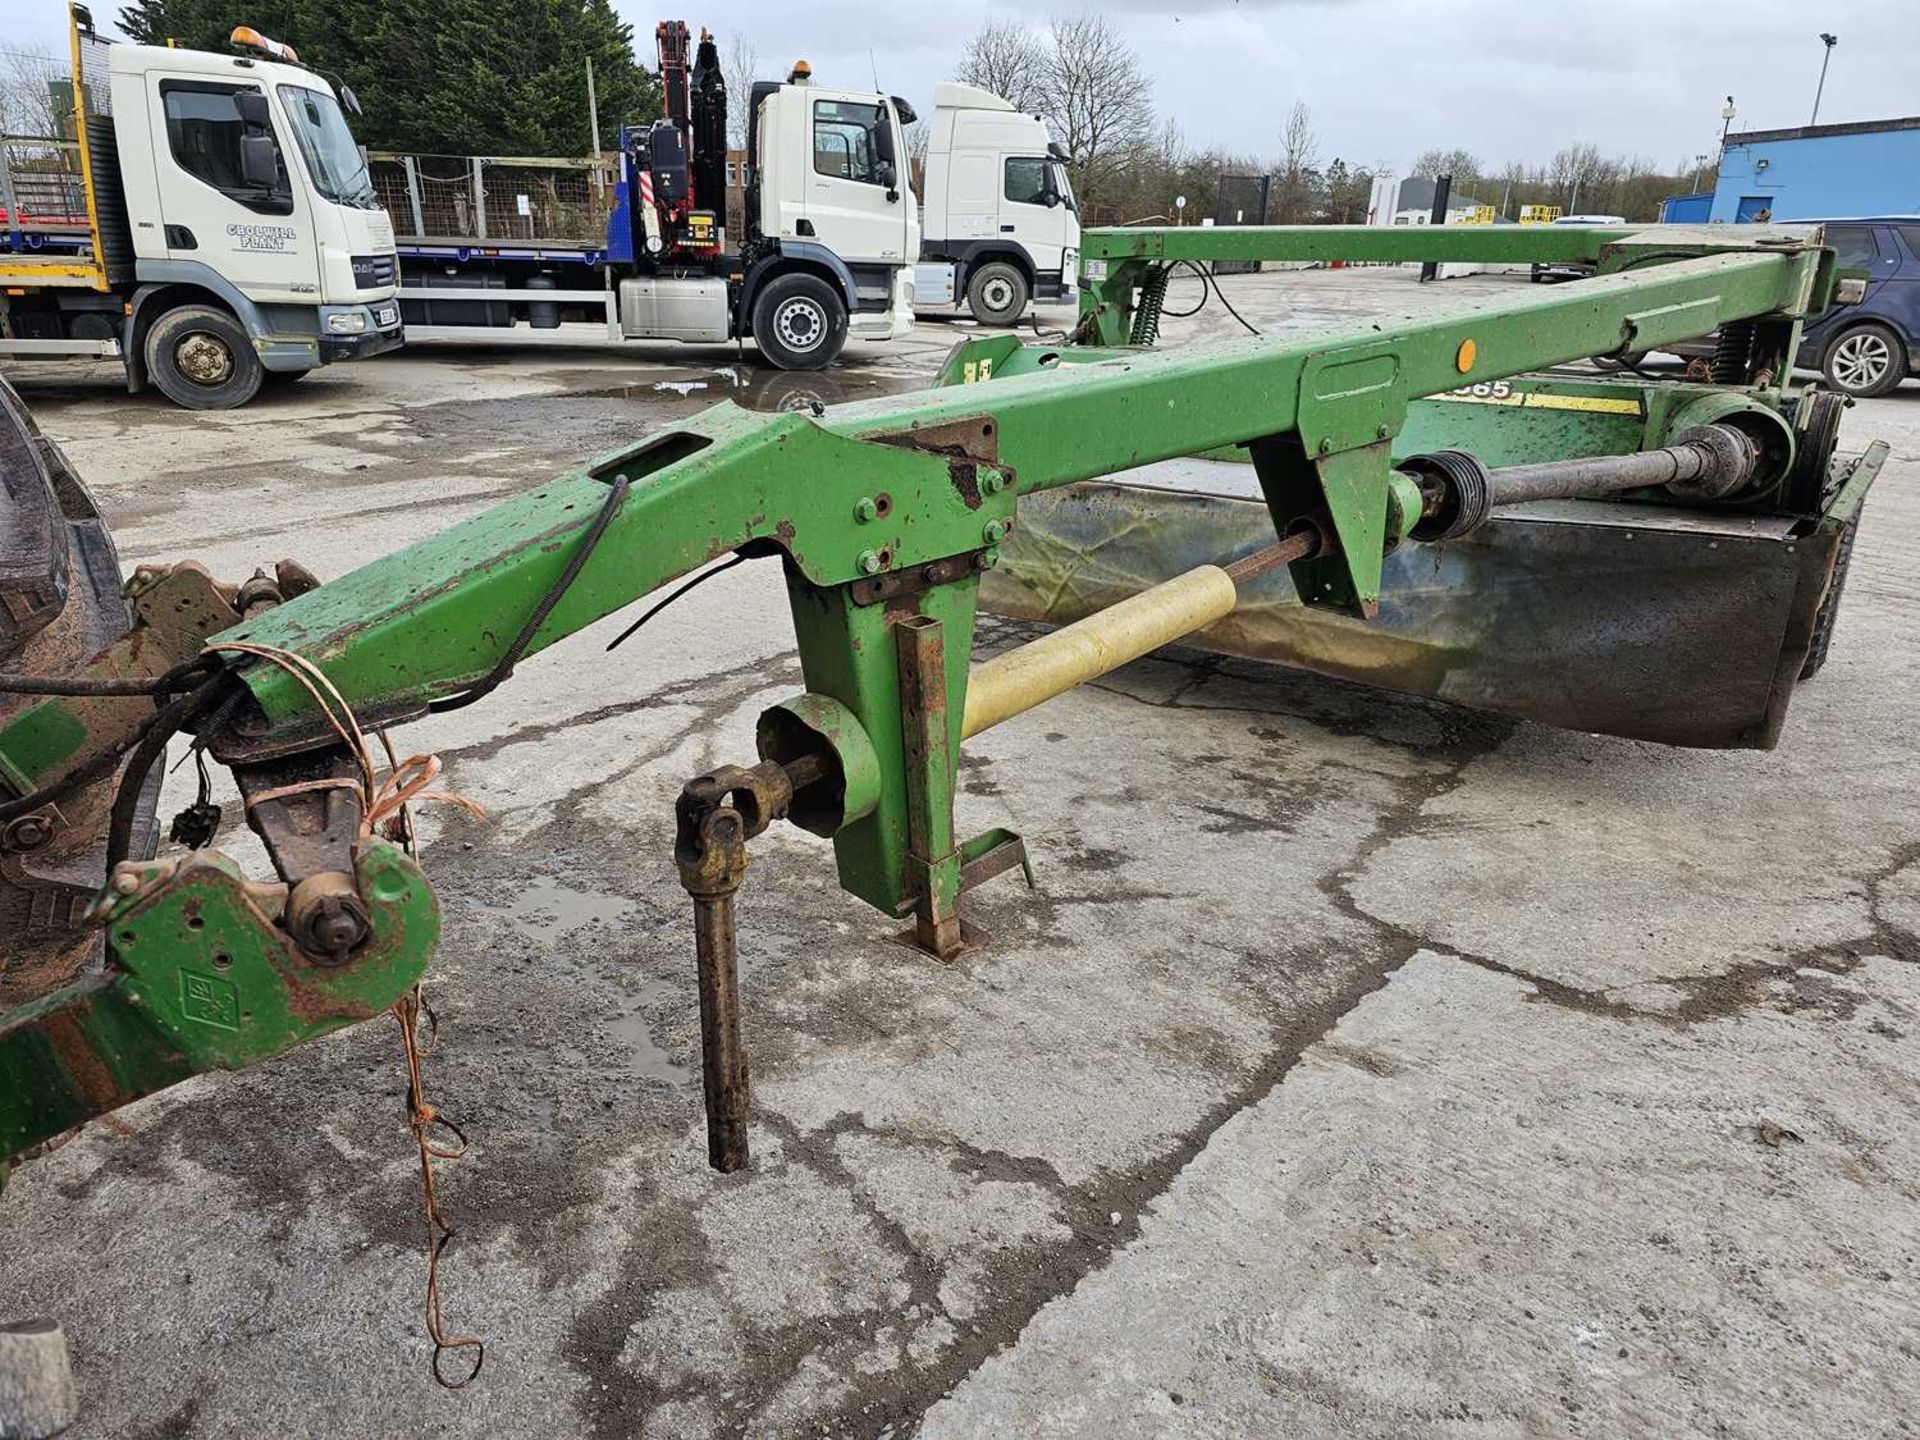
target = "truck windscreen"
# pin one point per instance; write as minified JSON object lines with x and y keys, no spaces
{"x":1062,"y":185}
{"x":332,"y":155}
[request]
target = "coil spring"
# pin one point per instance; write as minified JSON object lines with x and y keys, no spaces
{"x":1733,"y":352}
{"x":1146,"y":315}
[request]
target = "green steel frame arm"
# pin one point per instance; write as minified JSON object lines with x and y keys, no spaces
{"x":884,"y":513}
{"x":881,"y":490}
{"x":1115,"y":263}
{"x":436,"y":616}
{"x":1359,"y":243}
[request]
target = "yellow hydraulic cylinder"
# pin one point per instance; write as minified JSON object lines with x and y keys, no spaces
{"x":1017,"y":681}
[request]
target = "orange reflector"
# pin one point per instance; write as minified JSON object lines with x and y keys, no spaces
{"x":1464,"y":357}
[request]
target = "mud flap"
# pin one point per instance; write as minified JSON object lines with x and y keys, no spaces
{"x":1685,"y":627}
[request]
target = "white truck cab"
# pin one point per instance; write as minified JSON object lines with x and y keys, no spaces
{"x":227,"y":230}
{"x":829,"y":171}
{"x":1000,"y":223}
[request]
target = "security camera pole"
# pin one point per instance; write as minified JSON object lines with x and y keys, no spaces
{"x":1829,"y":41}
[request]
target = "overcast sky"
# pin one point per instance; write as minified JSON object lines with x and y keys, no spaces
{"x":1386,"y":79}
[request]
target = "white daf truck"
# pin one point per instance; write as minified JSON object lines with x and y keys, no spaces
{"x":999,"y":225}
{"x":822,"y":248}
{"x":209,"y":222}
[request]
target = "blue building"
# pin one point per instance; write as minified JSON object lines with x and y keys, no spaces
{"x":1817,"y":172}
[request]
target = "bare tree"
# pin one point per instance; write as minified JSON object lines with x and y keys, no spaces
{"x":27,"y":102}
{"x":739,"y":68}
{"x":1098,"y":98}
{"x":1462,"y":165}
{"x":1010,"y":60}
{"x":1294,"y":177}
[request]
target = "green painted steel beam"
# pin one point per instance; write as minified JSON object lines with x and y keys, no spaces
{"x":1402,"y":244}
{"x":432,"y":618}
{"x":1358,"y":243}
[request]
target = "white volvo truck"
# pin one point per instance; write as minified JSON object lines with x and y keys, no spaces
{"x":999,"y":225}
{"x":208,"y":221}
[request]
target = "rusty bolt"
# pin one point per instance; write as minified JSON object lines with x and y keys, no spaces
{"x":865,"y":509}
{"x":326,"y":918}
{"x":995,"y":532}
{"x":29,"y":832}
{"x":869,"y":562}
{"x":126,"y":880}
{"x":990,"y":557}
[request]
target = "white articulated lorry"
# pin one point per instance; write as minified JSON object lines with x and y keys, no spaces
{"x":208,"y":221}
{"x":999,"y":225}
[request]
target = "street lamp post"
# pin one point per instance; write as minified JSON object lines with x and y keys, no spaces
{"x":1829,"y":41}
{"x":1726,"y":121}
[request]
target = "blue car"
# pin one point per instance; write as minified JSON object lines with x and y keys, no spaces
{"x":1868,"y":348}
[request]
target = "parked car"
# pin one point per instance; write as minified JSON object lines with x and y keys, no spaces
{"x":1553,"y":271}
{"x":1864,"y":349}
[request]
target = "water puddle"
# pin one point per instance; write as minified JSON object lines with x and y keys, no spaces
{"x":760,"y":388}
{"x":547,"y":910}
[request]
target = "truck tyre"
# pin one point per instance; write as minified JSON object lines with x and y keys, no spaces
{"x":997,"y":294}
{"x":1865,"y":360}
{"x":1829,"y":613}
{"x":799,"y":322}
{"x":203,"y":359}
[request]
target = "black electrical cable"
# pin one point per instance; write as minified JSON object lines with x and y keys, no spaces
{"x":1214,"y":281}
{"x":217,"y":693}
{"x":1201,"y":304}
{"x":581,"y":554}
{"x":700,"y":579}
{"x":87,"y":686}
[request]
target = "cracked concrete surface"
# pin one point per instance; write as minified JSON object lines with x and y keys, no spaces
{"x":1360,"y":1067}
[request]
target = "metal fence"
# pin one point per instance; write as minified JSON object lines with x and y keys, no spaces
{"x":42,"y":197}
{"x":495,"y":198}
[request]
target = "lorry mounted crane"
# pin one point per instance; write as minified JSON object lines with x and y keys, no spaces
{"x":208,"y":221}
{"x":830,"y":230}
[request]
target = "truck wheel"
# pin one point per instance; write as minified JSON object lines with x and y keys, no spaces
{"x":997,"y":294}
{"x":1865,"y":361}
{"x":1829,"y":613}
{"x":202,"y":359}
{"x":799,"y":322}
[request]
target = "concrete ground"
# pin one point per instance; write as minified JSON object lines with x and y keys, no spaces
{"x":1361,"y":1067}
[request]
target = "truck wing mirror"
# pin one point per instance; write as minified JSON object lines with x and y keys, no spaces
{"x":905,"y":111}
{"x":252,"y":106}
{"x":883,"y":142}
{"x":259,"y":161}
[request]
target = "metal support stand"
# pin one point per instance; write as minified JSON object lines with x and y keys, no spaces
{"x":933,"y":858}
{"x":716,"y":815}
